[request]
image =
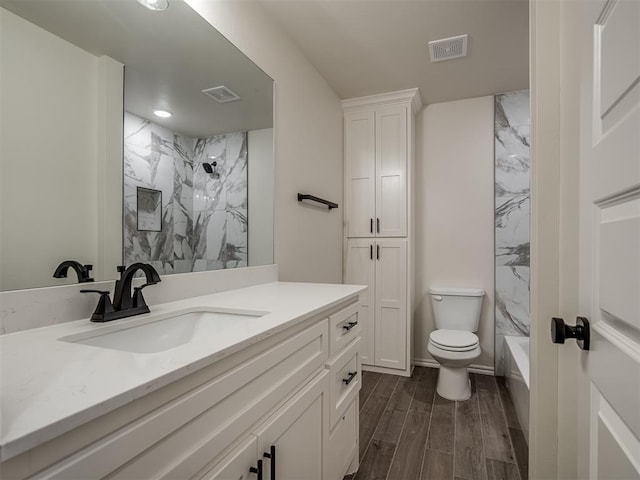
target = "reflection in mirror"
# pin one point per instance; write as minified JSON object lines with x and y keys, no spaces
{"x":66,"y":66}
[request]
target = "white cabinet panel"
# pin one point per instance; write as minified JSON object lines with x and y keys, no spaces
{"x":360,"y":270}
{"x":391,"y":171}
{"x":360,"y":173}
{"x":237,"y":464}
{"x":391,"y":304}
{"x":297,"y":434}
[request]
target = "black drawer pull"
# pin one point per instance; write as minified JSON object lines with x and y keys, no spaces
{"x":370,"y":254}
{"x":258,"y":470}
{"x":271,"y":455}
{"x":350,"y":378}
{"x":349,"y":325}
{"x":371,"y":225}
{"x":377,"y":225}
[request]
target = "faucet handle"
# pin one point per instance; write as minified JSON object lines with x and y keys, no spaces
{"x":138,"y":299}
{"x":104,"y":306}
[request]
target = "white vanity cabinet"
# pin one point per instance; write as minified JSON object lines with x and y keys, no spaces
{"x":379,"y":149}
{"x":219,"y":421}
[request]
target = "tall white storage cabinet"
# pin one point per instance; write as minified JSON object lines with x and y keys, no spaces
{"x":379,"y":149}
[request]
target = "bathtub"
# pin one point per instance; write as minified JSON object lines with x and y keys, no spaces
{"x":517,"y":375}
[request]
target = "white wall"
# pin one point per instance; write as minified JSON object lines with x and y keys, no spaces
{"x":455,"y":212}
{"x":308,"y":142}
{"x":49,"y":91}
{"x":260,"y":196}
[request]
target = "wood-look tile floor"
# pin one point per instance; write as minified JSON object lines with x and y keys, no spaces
{"x":409,"y":432}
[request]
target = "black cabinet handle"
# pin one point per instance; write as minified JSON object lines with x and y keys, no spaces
{"x":371,"y":252}
{"x":377,"y":252}
{"x":258,"y":470}
{"x":271,"y":455}
{"x":378,"y":225}
{"x":350,"y":378}
{"x":371,"y":225}
{"x":349,"y":326}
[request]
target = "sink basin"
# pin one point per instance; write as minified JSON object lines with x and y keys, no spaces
{"x":162,"y":333}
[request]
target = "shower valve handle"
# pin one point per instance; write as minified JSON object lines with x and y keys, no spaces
{"x":560,"y":331}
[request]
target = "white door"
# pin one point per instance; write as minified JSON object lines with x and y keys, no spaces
{"x":359,"y":138}
{"x":391,"y":303}
{"x":391,"y":171}
{"x":610,"y":238}
{"x":291,"y":441}
{"x":360,"y":270}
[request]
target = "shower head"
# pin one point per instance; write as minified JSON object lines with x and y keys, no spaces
{"x":210,"y":168}
{"x":207,"y":167}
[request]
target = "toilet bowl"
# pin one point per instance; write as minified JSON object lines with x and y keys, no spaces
{"x":454,"y":350}
{"x":453,"y":344}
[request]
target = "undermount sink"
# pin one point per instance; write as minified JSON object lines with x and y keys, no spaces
{"x":153,"y":335}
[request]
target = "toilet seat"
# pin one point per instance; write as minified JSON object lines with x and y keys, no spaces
{"x":454,"y":340}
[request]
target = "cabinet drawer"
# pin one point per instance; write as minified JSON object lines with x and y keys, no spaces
{"x":180,"y":438}
{"x":344,"y":326}
{"x":346,"y":378}
{"x":342,"y":444}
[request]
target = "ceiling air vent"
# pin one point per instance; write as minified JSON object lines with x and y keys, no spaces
{"x":448,"y":48}
{"x":221,"y":94}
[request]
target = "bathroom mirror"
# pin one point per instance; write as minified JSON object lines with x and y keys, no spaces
{"x":80,"y":141}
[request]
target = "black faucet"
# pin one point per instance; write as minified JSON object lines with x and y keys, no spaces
{"x":81,"y":270}
{"x":124,"y":303}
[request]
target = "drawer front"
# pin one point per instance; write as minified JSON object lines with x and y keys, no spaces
{"x":346,"y":379}
{"x":179,"y":439}
{"x":342,"y":444}
{"x":344,"y":326}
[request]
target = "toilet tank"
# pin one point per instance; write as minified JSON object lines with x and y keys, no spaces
{"x":457,"y":308}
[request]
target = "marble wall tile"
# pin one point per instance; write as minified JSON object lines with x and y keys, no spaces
{"x":512,"y":301}
{"x":512,"y":146}
{"x":197,"y":207}
{"x":512,"y":109}
{"x":512,"y":230}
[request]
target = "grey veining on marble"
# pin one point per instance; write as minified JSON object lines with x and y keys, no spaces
{"x":512,"y":218}
{"x":204,"y":221}
{"x":512,"y":230}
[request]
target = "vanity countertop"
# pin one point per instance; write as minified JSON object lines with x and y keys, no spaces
{"x":49,"y":387}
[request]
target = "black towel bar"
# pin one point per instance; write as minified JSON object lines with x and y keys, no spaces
{"x":305,"y":196}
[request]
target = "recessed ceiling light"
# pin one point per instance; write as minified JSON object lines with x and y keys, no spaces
{"x":157,"y":5}
{"x":162,"y":113}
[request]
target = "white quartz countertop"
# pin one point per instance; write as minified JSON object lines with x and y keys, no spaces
{"x":49,"y":387}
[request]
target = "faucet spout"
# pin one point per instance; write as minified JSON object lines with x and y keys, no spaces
{"x":81,"y":270}
{"x":122,"y":297}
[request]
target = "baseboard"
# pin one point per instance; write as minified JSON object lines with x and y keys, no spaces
{"x":481,"y":369}
{"x":390,"y":371}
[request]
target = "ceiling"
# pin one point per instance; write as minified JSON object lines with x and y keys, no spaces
{"x":365,"y":47}
{"x":169,"y":58}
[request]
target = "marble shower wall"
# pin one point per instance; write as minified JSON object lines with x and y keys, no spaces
{"x":512,"y":213}
{"x":204,"y":216}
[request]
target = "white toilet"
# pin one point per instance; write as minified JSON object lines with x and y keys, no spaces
{"x":453,"y":344}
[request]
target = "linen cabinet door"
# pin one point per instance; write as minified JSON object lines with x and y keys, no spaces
{"x":360,"y":270}
{"x":391,"y":304}
{"x":359,"y":144}
{"x":291,"y":441}
{"x":391,"y":171}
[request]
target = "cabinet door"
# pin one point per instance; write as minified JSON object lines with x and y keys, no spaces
{"x":359,"y":144}
{"x":296,"y":433}
{"x":360,"y":270}
{"x":237,"y":464}
{"x":391,"y":304}
{"x":391,"y":171}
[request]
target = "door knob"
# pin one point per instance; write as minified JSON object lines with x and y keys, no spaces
{"x":560,"y":331}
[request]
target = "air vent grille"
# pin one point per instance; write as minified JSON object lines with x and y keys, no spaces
{"x":448,"y":48}
{"x":221,"y":94}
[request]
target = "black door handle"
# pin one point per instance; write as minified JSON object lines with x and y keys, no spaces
{"x":378,"y":252}
{"x":560,"y":331}
{"x":371,"y":225}
{"x":377,"y":225}
{"x":271,"y":455}
{"x":371,"y":252}
{"x":257,"y":470}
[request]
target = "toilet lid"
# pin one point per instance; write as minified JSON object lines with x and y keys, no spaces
{"x":455,"y":340}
